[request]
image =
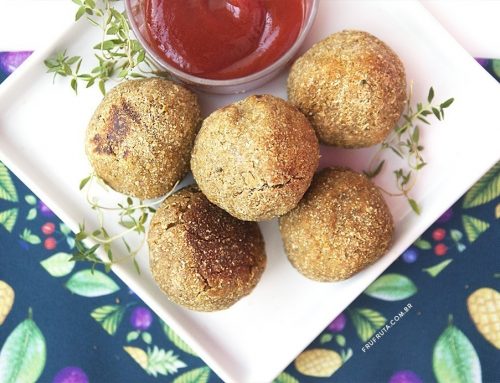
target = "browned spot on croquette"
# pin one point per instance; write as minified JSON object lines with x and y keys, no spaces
{"x":202,"y":257}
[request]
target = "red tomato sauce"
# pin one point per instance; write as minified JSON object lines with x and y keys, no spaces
{"x":222,"y":39}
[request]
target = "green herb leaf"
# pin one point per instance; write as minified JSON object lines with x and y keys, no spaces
{"x":447,"y":103}
{"x":340,"y":339}
{"x":30,"y":238}
{"x":414,"y":205}
{"x":430,"y":96}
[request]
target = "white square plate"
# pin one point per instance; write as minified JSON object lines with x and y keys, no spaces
{"x":41,"y":139}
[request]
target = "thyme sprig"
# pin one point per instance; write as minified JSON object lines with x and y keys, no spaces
{"x":118,"y":55}
{"x":132,"y":217}
{"x":404,"y":142}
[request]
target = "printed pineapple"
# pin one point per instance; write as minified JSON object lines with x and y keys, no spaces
{"x":484,"y":309}
{"x":139,"y":355}
{"x":6,"y":300}
{"x":319,"y":362}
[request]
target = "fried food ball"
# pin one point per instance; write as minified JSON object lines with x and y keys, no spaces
{"x":201,"y":257}
{"x":341,"y":226}
{"x":255,"y":158}
{"x":351,"y":86}
{"x":139,"y":139}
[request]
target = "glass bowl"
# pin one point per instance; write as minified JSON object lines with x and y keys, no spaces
{"x":135,"y":11}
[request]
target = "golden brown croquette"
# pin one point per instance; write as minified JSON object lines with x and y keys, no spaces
{"x":341,"y":226}
{"x":139,"y":139}
{"x":255,"y":158}
{"x":202,"y":257}
{"x":351,"y":86}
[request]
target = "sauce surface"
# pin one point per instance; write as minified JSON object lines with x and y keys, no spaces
{"x":222,"y":39}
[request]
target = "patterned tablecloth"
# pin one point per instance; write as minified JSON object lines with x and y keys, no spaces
{"x":434,"y":315}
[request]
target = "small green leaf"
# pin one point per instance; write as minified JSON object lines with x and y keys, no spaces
{"x":7,"y":189}
{"x":176,"y":340}
{"x":461,"y":247}
{"x":23,"y":355}
{"x":456,"y":235}
{"x":109,"y":317}
{"x":146,"y":337}
{"x":422,"y":244}
{"x":64,"y":229}
{"x":391,"y":287}
{"x":474,"y":227}
{"x":484,"y":190}
{"x":8,"y":219}
{"x":447,"y":103}
{"x":84,"y":182}
{"x":202,"y":374}
{"x":454,"y":358}
{"x":58,"y":265}
{"x":414,"y":205}
{"x":430,"y":96}
{"x":325,"y":338}
{"x":91,"y":284}
{"x":31,"y":214}
{"x":161,"y":362}
{"x":437,"y":113}
{"x":30,"y":199}
{"x":366,"y":321}
{"x":495,"y":65}
{"x":132,"y":335}
{"x":340,"y":339}
{"x":32,"y":239}
{"x":433,"y":271}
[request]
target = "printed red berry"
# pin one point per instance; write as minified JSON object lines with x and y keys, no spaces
{"x":440,"y":249}
{"x":48,"y":228}
{"x":50,"y":243}
{"x":439,"y":234}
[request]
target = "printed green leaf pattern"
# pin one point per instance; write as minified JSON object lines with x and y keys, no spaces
{"x":8,"y":219}
{"x":161,"y":362}
{"x":109,"y":317}
{"x":31,"y":214}
{"x":484,"y":190}
{"x":366,"y":321}
{"x":325,"y":338}
{"x":391,"y":287}
{"x":29,"y":237}
{"x":132,"y":335}
{"x":454,"y":358}
{"x":58,"y":265}
{"x":7,"y":189}
{"x":88,"y":283}
{"x":495,"y":64}
{"x":422,"y":244}
{"x":474,"y":227}
{"x":30,"y":199}
{"x":176,"y":340}
{"x":433,"y":271}
{"x":198,"y":375}
{"x":284,"y":377}
{"x":22,"y":358}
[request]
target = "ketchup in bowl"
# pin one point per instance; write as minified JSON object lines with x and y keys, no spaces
{"x":222,"y":39}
